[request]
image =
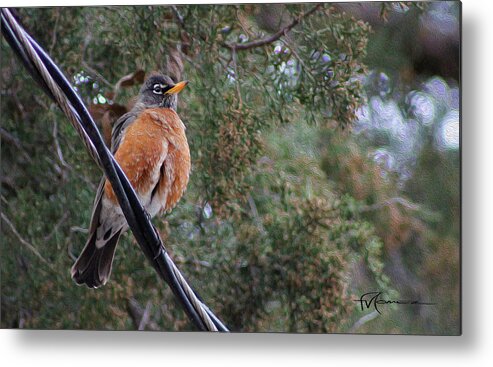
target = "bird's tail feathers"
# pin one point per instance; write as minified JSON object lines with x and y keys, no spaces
{"x":93,"y":267}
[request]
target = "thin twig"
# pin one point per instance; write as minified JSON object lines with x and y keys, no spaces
{"x":4,"y":200}
{"x":58,"y":149}
{"x":363,"y":320}
{"x":56,"y":226}
{"x":70,"y":246}
{"x":89,"y":183}
{"x":397,"y":200}
{"x":8,"y":182}
{"x":145,"y":317}
{"x":54,"y":35}
{"x":137,"y":314}
{"x":273,"y":37}
{"x":178,"y":17}
{"x":241,"y":22}
{"x":79,"y":229}
{"x":182,"y":24}
{"x":24,"y":242}
{"x":9,"y":138}
{"x":184,"y":261}
{"x":96,"y":74}
{"x":19,"y":105}
{"x":256,"y":216}
{"x":237,"y":80}
{"x":56,"y":167}
{"x":300,"y":60}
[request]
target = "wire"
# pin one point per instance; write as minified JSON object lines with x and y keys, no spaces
{"x":56,"y":86}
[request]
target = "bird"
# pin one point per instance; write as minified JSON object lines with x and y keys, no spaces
{"x":150,"y":145}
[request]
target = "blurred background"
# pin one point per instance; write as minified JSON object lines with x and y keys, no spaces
{"x":326,"y":164}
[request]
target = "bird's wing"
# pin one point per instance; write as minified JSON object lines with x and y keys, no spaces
{"x":116,"y":137}
{"x":119,"y":127}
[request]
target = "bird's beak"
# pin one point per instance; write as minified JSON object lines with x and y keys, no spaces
{"x":177,"y":88}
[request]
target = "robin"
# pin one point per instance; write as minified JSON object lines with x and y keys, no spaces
{"x":150,"y":145}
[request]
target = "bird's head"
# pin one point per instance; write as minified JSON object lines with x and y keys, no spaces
{"x":160,"y":91}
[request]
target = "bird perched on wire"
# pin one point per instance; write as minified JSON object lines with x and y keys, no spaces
{"x":150,"y":145}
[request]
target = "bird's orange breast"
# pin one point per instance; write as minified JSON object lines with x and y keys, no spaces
{"x":154,"y":147}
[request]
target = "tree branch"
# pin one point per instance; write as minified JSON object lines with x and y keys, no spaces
{"x":96,"y":74}
{"x":363,"y":320}
{"x":56,"y":227}
{"x":24,"y":242}
{"x":8,"y":137}
{"x":396,"y":200}
{"x":273,"y":37}
{"x":145,"y":316}
{"x":140,"y":316}
{"x":58,"y":148}
{"x":178,"y":17}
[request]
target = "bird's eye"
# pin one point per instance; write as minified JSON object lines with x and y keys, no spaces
{"x":157,"y":89}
